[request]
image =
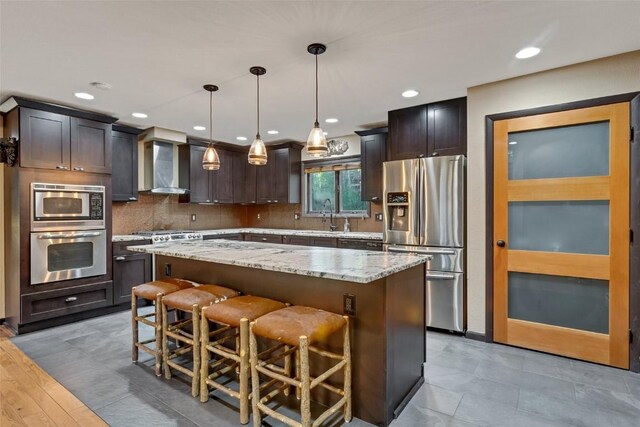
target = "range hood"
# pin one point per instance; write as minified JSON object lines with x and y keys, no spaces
{"x":159,"y":157}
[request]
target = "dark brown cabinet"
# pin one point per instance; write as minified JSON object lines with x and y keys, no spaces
{"x":279,"y":180}
{"x":369,"y":245}
{"x":447,"y":125}
{"x":45,"y":139}
{"x":244,"y":179}
{"x":437,"y":129}
{"x":296,"y":240}
{"x":234,"y":236}
{"x":324,"y":242}
{"x":90,"y":146}
{"x":205,"y":186}
{"x":264,"y":238}
{"x":129,"y":269}
{"x":373,"y":152}
{"x":125,"y":165}
{"x":408,"y":133}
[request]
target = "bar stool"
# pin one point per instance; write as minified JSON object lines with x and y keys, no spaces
{"x":152,"y":291}
{"x":233,"y":317}
{"x":303,"y":328}
{"x":187,"y":331}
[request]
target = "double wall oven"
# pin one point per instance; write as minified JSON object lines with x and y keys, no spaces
{"x":68,"y":234}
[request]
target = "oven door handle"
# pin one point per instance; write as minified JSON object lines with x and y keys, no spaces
{"x":68,"y":236}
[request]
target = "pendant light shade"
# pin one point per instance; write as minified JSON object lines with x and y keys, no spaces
{"x":258,"y":152}
{"x":210,"y":160}
{"x":316,"y":143}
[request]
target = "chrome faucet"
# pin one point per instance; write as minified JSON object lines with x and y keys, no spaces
{"x":332,"y":226}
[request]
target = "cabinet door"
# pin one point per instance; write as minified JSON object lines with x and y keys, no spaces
{"x":264,"y":181}
{"x":408,"y":133}
{"x":296,"y":240}
{"x":199,"y":179}
{"x":280,"y":174}
{"x":221,"y":180}
{"x":125,"y":167}
{"x":244,"y":179}
{"x":90,"y":146}
{"x":448,"y":127}
{"x":263,"y":238}
{"x":325,"y":242}
{"x":129,"y":271}
{"x":373,"y":152}
{"x":44,"y":140}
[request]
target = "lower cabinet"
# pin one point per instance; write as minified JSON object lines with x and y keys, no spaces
{"x":235,"y":236}
{"x":296,"y":240}
{"x":264,"y":238}
{"x":323,"y":242}
{"x":129,"y":269}
{"x":368,"y":245}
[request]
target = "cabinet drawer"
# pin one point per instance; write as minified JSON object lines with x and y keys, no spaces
{"x":120,"y":248}
{"x":296,"y":240}
{"x":323,"y":242}
{"x":265,"y":238}
{"x":45,"y":305}
{"x":360,"y":244}
{"x":237,"y":236}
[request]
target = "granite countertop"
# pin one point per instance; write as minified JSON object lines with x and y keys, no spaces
{"x":127,"y":237}
{"x":331,"y":263}
{"x":290,"y":232}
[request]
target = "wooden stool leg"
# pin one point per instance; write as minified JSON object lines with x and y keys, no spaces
{"x":159,"y":334}
{"x":255,"y":380}
{"x":298,"y":372}
{"x":204,"y":358}
{"x":134,"y":326}
{"x":195,"y":380}
{"x":287,"y":368}
{"x":244,"y":371}
{"x":347,"y":372}
{"x":305,"y":399}
{"x":165,"y":342}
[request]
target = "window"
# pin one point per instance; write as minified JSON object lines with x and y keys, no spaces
{"x":340,"y":183}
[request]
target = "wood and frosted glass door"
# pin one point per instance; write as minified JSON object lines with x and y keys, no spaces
{"x":561,"y":233}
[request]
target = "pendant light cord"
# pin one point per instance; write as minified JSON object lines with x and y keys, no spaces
{"x":316,"y":124}
{"x":210,"y":119}
{"x":258,"y":108}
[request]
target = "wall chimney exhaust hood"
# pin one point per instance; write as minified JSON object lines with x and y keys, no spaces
{"x":158,"y":149}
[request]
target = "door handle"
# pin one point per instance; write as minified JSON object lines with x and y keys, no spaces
{"x":62,"y":167}
{"x":133,"y":199}
{"x":78,"y":168}
{"x":71,"y":299}
{"x":411,"y":251}
{"x":440,"y":276}
{"x":120,"y":258}
{"x":375,"y":198}
{"x":501,"y":243}
{"x":68,"y":236}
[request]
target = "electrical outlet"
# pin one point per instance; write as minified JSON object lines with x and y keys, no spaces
{"x":193,"y":217}
{"x":259,"y":217}
{"x":296,"y":216}
{"x":167,"y":270}
{"x":349,"y":304}
{"x":378,"y":217}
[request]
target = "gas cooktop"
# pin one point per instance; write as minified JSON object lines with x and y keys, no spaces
{"x":163,"y":236}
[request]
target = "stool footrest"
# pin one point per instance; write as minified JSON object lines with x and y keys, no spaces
{"x":179,"y":368}
{"x":326,"y":374}
{"x":326,"y":353}
{"x":332,"y":410}
{"x":279,"y":377}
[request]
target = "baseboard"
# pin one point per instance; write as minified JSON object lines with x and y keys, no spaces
{"x":476,"y":336}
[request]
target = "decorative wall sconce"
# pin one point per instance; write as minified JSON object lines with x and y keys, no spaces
{"x":8,"y":151}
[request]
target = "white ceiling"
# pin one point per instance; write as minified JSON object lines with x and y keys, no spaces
{"x":157,"y":55}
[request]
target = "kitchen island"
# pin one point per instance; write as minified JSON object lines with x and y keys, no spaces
{"x":383,"y":292}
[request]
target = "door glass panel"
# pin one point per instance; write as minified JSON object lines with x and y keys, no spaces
{"x":62,"y":206}
{"x":569,"y":151}
{"x":560,"y":301}
{"x":560,"y":226}
{"x":68,"y":256}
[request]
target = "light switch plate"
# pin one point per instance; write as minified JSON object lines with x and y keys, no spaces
{"x":378,"y":217}
{"x":259,"y":217}
{"x":296,"y":216}
{"x":349,"y":304}
{"x":193,"y":217}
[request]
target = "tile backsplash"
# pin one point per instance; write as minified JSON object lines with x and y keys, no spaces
{"x":163,"y":212}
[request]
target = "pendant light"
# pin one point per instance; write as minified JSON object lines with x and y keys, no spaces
{"x":258,"y":152}
{"x":210,"y":160}
{"x":316,"y":143}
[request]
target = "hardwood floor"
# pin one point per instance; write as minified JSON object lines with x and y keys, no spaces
{"x":30,"y":397}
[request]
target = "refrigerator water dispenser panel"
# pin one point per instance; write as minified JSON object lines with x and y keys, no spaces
{"x":398,"y":211}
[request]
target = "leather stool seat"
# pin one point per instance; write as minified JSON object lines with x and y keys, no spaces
{"x":289,"y":324}
{"x":249,"y":307}
{"x":202,"y":295}
{"x":165,"y":286}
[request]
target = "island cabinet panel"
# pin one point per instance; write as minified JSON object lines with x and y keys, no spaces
{"x":90,"y":146}
{"x":45,"y":139}
{"x":234,"y":236}
{"x":124,"y":167}
{"x":373,"y":152}
{"x":408,"y":133}
{"x":360,"y":244}
{"x":129,"y":269}
{"x":297,"y":240}
{"x":447,"y":128}
{"x":279,"y":180}
{"x":325,"y":242}
{"x":264,"y":238}
{"x":244,"y":179}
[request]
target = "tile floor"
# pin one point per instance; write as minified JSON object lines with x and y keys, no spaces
{"x":468,"y":383}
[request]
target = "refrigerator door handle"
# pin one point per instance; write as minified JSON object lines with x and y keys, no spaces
{"x":440,"y":276}
{"x":417,"y":211}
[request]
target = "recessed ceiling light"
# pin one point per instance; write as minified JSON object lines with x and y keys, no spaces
{"x":83,"y":95}
{"x":139,"y":115}
{"x":241,"y":138}
{"x":410,"y":93}
{"x":101,"y":85}
{"x":273,"y":132}
{"x":528,"y":52}
{"x":331,"y":120}
{"x":513,"y":142}
{"x":199,"y":128}
{"x":325,"y":133}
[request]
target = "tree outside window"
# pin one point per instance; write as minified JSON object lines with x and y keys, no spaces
{"x":341,"y":184}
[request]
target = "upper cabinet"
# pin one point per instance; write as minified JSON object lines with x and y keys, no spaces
{"x":125,"y":164}
{"x":205,"y":186}
{"x":244,"y":179}
{"x":373,"y":152}
{"x":279,"y":180}
{"x":438,"y":129}
{"x":61,"y":138}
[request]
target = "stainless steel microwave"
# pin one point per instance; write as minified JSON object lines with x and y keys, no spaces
{"x":66,"y":207}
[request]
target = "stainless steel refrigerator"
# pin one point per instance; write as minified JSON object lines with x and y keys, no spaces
{"x":424,"y":213}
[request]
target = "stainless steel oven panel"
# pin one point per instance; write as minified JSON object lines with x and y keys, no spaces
{"x":441,"y":259}
{"x":39,"y":197}
{"x":85,"y":219}
{"x":41,"y":243}
{"x":445,"y":300}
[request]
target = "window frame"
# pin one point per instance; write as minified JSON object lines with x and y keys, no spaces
{"x":306,"y":212}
